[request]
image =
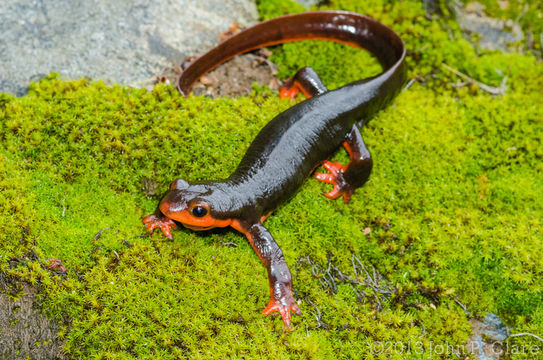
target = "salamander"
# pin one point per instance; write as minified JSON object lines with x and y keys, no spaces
{"x":293,"y":144}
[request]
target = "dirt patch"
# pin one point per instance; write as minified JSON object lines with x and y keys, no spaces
{"x":236,"y":77}
{"x":24,"y":331}
{"x":233,"y":78}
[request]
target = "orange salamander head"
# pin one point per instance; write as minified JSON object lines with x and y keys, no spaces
{"x":193,"y":205}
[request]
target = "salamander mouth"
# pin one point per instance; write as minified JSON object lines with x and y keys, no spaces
{"x":197,"y":228}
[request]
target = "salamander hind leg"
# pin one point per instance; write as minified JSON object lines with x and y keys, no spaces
{"x":347,"y":178}
{"x":306,"y":80}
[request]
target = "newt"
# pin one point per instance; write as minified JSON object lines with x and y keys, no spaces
{"x":293,"y":144}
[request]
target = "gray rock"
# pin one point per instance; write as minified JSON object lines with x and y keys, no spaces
{"x":493,"y":34}
{"x":24,"y":332}
{"x":495,"y":328}
{"x":486,"y":343}
{"x":122,"y":41}
{"x":308,"y":3}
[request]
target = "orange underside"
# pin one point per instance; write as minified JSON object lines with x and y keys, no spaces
{"x":292,"y":91}
{"x":192,"y":222}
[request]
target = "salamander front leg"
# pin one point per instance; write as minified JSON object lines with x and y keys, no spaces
{"x":347,"y":178}
{"x":159,"y":220}
{"x":279,"y":275}
{"x":306,"y":80}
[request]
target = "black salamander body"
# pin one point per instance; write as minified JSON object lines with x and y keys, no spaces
{"x":294,"y":143}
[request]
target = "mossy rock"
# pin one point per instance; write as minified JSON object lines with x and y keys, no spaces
{"x":452,"y":212}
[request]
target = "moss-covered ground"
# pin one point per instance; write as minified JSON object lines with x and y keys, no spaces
{"x":452,"y":213}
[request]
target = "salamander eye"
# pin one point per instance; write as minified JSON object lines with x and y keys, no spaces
{"x":199,"y":211}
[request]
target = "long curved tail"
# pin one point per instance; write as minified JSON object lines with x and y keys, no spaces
{"x":339,"y":26}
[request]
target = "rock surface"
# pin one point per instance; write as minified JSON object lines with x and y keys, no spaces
{"x":24,"y":332}
{"x":125,"y":41}
{"x":487,"y":341}
{"x":493,"y":34}
{"x":308,"y":3}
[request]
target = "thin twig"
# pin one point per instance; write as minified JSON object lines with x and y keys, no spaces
{"x":354,"y":266}
{"x":97,"y":236}
{"x":141,"y":82}
{"x":36,"y":257}
{"x":318,"y":315}
{"x":409,"y":84}
{"x":330,"y":277}
{"x":362,"y":266}
{"x":500,"y":90}
{"x":461,"y":305}
{"x":521,"y":15}
{"x":229,"y":243}
{"x":526,"y":334}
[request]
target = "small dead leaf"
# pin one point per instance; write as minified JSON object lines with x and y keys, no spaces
{"x":233,"y":30}
{"x":186,"y":63}
{"x":208,"y":80}
{"x":263,"y":52}
{"x":162,"y":79}
{"x":274,"y":84}
{"x":56,"y":264}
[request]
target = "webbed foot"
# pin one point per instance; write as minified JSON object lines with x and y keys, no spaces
{"x":284,"y":306}
{"x":288,"y":90}
{"x":160,"y":221}
{"x":306,"y":81}
{"x":336,"y":178}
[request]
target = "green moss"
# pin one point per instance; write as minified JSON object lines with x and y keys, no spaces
{"x":452,"y":210}
{"x":269,"y":9}
{"x":15,"y":210}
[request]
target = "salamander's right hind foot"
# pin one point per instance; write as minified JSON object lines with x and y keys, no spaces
{"x":347,"y":178}
{"x":336,"y":178}
{"x":306,"y":80}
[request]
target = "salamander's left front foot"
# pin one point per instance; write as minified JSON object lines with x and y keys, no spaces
{"x":284,"y":306}
{"x":336,"y":178}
